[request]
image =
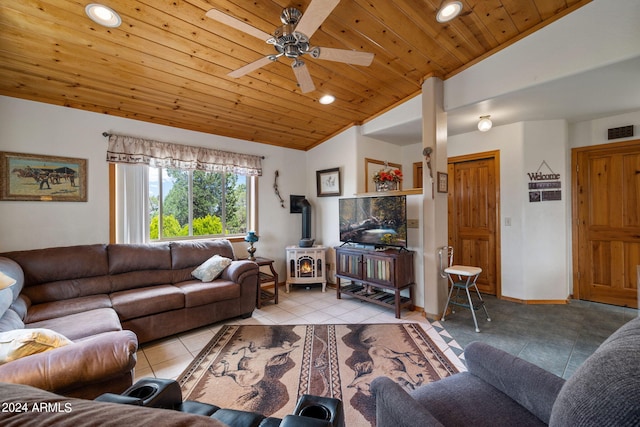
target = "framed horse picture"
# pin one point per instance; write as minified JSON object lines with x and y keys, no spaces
{"x":38,"y":177}
{"x":328,"y":182}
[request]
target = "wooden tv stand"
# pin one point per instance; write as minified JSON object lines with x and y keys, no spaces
{"x":374,"y":273}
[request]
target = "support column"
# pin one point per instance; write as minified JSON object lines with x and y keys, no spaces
{"x":435,"y":205}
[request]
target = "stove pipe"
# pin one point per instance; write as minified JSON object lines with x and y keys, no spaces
{"x":306,"y":241}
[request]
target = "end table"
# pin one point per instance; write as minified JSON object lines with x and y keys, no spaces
{"x":264,"y":277}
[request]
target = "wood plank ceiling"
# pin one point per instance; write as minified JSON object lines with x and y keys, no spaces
{"x":168,"y":63}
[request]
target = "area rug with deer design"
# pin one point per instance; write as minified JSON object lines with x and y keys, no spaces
{"x":266,"y":368}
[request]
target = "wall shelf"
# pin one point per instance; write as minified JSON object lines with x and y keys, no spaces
{"x":408,"y":192}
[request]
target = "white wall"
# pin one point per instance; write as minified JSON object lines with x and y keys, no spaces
{"x":32,"y":127}
{"x":338,"y":152}
{"x":535,"y":262}
{"x":600,"y":33}
{"x":594,"y":132}
{"x":533,"y":258}
{"x":536,"y":248}
{"x":545,"y":256}
{"x":348,"y":151}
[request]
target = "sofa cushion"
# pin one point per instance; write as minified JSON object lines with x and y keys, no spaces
{"x":211,"y":268}
{"x":605,"y":389}
{"x":6,"y":299}
{"x":81,"y":325}
{"x":200,"y":293}
{"x":192,"y":253}
{"x":464,"y":399}
{"x":10,"y":320}
{"x":11,"y":283}
{"x":67,"y":289}
{"x":145,"y":301}
{"x":21,"y":306}
{"x":125,"y":258}
{"x":61,"y":263}
{"x":50,"y":310}
{"x":140,"y":279}
{"x":25,"y":342}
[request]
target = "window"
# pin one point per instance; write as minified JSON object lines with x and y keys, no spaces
{"x":196,"y":203}
{"x":166,"y":191}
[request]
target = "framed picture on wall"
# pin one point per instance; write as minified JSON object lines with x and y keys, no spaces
{"x":36,"y":177}
{"x":371,"y":167}
{"x":328,"y":182}
{"x":443,"y":182}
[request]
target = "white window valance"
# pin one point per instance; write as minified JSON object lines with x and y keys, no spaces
{"x":131,"y":150}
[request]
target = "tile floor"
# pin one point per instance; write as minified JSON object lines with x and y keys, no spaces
{"x":556,"y":338}
{"x":169,"y":357}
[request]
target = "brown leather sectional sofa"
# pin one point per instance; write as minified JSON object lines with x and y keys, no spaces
{"x":108,"y":298}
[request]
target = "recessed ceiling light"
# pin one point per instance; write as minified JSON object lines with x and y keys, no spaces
{"x":449,"y":11}
{"x":327,"y":99}
{"x":103,"y":15}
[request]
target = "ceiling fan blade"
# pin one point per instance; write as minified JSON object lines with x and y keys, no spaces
{"x":237,"y":24}
{"x":302,"y":75}
{"x":250,"y":67}
{"x":343,"y":55}
{"x":315,"y":15}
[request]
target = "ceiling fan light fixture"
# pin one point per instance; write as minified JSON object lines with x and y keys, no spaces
{"x":327,"y":99}
{"x":485,"y":123}
{"x":103,"y":15}
{"x":449,"y":11}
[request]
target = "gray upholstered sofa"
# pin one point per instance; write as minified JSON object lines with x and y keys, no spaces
{"x":108,"y":298}
{"x":500,"y":389}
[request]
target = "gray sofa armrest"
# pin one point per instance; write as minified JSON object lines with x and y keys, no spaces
{"x":94,"y":359}
{"x":396,"y":408}
{"x":529,"y":385}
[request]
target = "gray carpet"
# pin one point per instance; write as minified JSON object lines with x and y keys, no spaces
{"x":557,"y":338}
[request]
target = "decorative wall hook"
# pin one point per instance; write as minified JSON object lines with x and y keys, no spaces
{"x":275,"y":189}
{"x":426,"y":152}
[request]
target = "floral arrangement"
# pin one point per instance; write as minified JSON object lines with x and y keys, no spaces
{"x":388,"y":175}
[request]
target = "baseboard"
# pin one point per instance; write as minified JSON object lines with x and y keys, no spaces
{"x":536,"y":301}
{"x":431,"y":316}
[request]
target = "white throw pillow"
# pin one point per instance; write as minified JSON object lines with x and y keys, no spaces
{"x":25,"y":342}
{"x":211,"y":268}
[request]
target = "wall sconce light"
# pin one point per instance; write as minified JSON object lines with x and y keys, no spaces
{"x":485,"y":123}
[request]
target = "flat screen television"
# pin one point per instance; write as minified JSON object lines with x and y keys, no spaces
{"x":378,"y":221}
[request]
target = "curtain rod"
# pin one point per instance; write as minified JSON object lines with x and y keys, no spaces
{"x":106,"y":134}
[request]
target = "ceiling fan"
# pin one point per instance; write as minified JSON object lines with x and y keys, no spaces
{"x":291,"y":40}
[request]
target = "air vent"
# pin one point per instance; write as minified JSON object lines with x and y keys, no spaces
{"x":621,"y":132}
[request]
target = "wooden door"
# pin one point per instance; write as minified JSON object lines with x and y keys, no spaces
{"x":606,"y":199}
{"x":417,"y":175}
{"x":473,"y":215}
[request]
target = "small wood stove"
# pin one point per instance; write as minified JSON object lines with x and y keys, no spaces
{"x":306,"y":265}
